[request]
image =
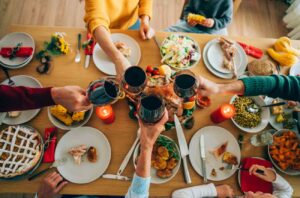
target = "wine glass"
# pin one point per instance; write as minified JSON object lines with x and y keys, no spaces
{"x":151,"y":108}
{"x":134,"y":80}
{"x":185,"y":85}
{"x":105,"y":91}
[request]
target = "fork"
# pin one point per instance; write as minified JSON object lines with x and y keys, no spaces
{"x":77,"y":58}
{"x":10,"y":81}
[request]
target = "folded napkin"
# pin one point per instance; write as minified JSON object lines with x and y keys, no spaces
{"x":252,"y":51}
{"x":251,"y":182}
{"x":50,"y":151}
{"x":22,"y":52}
{"x":90,"y":47}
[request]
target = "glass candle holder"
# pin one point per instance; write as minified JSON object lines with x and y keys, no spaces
{"x":224,"y":112}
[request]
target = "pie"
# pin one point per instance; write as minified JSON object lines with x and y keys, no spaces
{"x":262,"y":67}
{"x":220,"y":150}
{"x":20,"y":150}
{"x":229,"y":158}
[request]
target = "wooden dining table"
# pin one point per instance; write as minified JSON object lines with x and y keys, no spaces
{"x":122,"y":133}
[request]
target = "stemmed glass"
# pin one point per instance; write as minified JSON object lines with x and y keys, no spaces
{"x":186,"y":84}
{"x":105,"y":91}
{"x":151,"y":108}
{"x":134,"y":80}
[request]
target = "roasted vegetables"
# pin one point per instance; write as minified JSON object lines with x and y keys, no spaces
{"x":62,"y":114}
{"x":285,"y":54}
{"x":283,"y":58}
{"x":285,"y":150}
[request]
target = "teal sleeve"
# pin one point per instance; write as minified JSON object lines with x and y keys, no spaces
{"x":285,"y":87}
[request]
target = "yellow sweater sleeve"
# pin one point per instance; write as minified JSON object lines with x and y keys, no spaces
{"x":145,"y":8}
{"x":96,"y":15}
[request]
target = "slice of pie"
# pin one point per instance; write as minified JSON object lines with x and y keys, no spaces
{"x":229,"y":50}
{"x":77,"y":152}
{"x":230,"y":158}
{"x":218,"y":152}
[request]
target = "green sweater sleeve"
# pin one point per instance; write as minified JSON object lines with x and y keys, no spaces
{"x":285,"y":87}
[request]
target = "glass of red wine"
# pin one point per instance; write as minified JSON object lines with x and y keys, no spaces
{"x":134,"y":80}
{"x":151,"y":108}
{"x":105,"y":91}
{"x":185,"y":84}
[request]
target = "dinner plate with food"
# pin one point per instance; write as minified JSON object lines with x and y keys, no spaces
{"x":125,"y":44}
{"x":285,"y":152}
{"x":222,"y":153}
{"x":249,"y":115}
{"x":20,"y":117}
{"x":282,"y":116}
{"x":180,"y":52}
{"x":21,"y":152}
{"x":231,"y":61}
{"x":86,"y":152}
{"x":65,"y":120}
{"x":13,"y":42}
{"x":165,"y":160}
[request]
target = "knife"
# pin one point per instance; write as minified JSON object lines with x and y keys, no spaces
{"x":117,"y":177}
{"x":203,"y":158}
{"x":184,"y":151}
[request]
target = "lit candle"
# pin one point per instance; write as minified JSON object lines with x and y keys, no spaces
{"x":106,"y":114}
{"x":223,"y":113}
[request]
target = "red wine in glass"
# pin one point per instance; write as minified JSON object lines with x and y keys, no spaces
{"x":151,"y":108}
{"x":185,"y":85}
{"x":134,"y":80}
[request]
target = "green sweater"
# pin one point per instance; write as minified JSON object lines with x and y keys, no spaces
{"x":285,"y":87}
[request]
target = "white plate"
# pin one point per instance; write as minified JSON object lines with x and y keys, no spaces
{"x":288,"y":171}
{"x":17,"y":66}
{"x":103,"y":62}
{"x":241,"y":69}
{"x":74,"y":125}
{"x":295,"y":69}
{"x":11,"y":40}
{"x":154,"y":178}
{"x":187,"y":67}
{"x":86,"y":172}
{"x":272,"y":120}
{"x":214,"y":136}
{"x":27,"y":115}
{"x":215,"y":56}
{"x":265,"y":116}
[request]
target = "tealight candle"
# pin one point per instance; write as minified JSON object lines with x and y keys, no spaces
{"x":106,"y":114}
{"x":223,"y":113}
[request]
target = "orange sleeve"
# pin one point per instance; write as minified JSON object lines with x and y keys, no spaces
{"x":96,"y":15}
{"x":145,"y":8}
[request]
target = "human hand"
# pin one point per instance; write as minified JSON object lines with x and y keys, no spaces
{"x":207,"y":87}
{"x":224,"y":191}
{"x":121,"y":65}
{"x":149,"y":133}
{"x":71,"y":97}
{"x":51,"y":185}
{"x":146,"y":31}
{"x":208,"y":23}
{"x":192,"y":23}
{"x":269,"y":175}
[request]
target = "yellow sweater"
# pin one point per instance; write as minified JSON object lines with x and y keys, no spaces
{"x":120,"y":14}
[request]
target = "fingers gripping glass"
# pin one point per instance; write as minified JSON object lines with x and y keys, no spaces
{"x":105,"y":91}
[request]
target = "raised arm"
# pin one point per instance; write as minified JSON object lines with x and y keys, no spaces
{"x":24,"y":98}
{"x":285,"y":87}
{"x":141,"y":180}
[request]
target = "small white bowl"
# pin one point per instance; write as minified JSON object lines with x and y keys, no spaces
{"x":265,"y":115}
{"x":74,"y":125}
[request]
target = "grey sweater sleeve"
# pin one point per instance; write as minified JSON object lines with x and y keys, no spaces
{"x":226,"y":16}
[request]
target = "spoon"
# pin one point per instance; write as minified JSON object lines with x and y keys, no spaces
{"x":254,"y":108}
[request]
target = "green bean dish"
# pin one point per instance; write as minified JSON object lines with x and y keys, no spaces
{"x":243,"y":117}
